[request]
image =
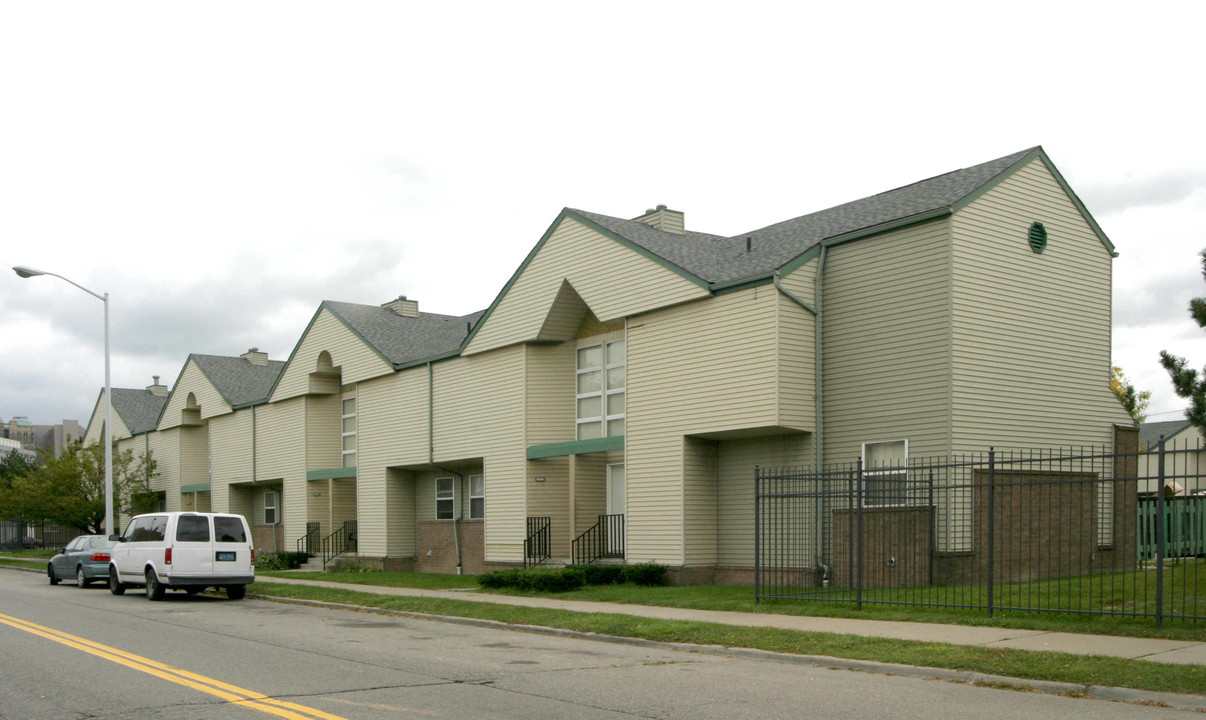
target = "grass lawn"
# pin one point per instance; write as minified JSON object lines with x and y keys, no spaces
{"x":1011,"y":663}
{"x":425,"y":581}
{"x":38,"y":564}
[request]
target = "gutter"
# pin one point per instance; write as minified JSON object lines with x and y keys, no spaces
{"x":460,"y":479}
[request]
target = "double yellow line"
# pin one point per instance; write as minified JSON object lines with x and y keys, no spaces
{"x":225,"y":691}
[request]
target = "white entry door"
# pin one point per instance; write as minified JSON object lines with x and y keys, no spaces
{"x":616,"y":487}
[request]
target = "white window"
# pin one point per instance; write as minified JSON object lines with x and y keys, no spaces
{"x":269,"y":507}
{"x":349,"y":432}
{"x":600,"y":385}
{"x":477,"y":496}
{"x":445,"y":498}
{"x":885,"y":473}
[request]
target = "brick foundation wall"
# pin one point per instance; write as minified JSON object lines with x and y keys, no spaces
{"x":435,"y":536}
{"x":261,"y":538}
{"x":896,"y":550}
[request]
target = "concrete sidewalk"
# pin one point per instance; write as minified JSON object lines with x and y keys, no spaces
{"x":1180,"y":652}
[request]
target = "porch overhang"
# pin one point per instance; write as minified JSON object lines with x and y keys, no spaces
{"x":194,"y":488}
{"x":331,"y":474}
{"x":575,"y":447}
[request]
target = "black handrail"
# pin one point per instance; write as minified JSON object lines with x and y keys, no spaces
{"x":605,"y":539}
{"x":341,"y":541}
{"x":538,"y":545}
{"x":306,"y":543}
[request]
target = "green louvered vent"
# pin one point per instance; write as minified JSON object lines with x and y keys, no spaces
{"x":1038,"y":237}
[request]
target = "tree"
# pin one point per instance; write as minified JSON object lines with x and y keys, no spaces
{"x":1136,"y":403}
{"x":70,"y":490}
{"x":1186,"y":381}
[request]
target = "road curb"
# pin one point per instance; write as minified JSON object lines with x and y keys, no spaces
{"x":1115,"y":694}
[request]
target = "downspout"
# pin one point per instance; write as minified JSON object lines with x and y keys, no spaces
{"x":818,"y":437}
{"x":460,"y":479}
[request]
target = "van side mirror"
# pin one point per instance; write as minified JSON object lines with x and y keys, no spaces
{"x":117,"y":538}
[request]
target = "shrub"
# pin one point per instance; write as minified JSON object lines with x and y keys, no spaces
{"x":645,"y":574}
{"x":352,"y":565}
{"x":269,"y":561}
{"x":601,"y":574}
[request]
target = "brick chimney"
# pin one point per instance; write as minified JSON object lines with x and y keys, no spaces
{"x":664,"y":219}
{"x":403,"y":307}
{"x":156,"y":389}
{"x":255,"y":357}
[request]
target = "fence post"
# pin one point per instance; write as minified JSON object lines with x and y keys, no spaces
{"x":1160,"y":536}
{"x":992,"y":512}
{"x":860,"y":498}
{"x":757,"y":535}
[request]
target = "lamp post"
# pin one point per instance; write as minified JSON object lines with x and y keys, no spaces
{"x":28,"y":272}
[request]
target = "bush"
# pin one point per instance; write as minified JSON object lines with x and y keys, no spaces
{"x":573,"y":577}
{"x":645,"y":574}
{"x":352,"y":565}
{"x":280,"y":560}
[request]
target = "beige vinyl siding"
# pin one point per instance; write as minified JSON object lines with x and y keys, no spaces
{"x":699,"y":502}
{"x":318,"y":505}
{"x":192,"y":380}
{"x":614,"y":281}
{"x":551,"y":498}
{"x":95,"y":433}
{"x":194,"y":455}
{"x":280,"y":455}
{"x":479,"y":406}
{"x":391,"y":431}
{"x":425,"y":504}
{"x":165,"y":446}
{"x":887,"y":328}
{"x":230,"y":459}
{"x":735,"y":462}
{"x":797,"y":350}
{"x":549,"y":392}
{"x":590,"y":491}
{"x":343,"y":501}
{"x":355,"y":359}
{"x":1031,"y":331}
{"x":324,"y":433}
{"x":704,"y":367}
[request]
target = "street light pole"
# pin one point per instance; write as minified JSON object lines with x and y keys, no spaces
{"x":28,"y":272}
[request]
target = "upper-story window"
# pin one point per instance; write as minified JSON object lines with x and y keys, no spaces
{"x":601,"y":381}
{"x":885,"y":473}
{"x":349,"y":431}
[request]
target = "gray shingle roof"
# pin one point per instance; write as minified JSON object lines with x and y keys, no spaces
{"x":239,"y":381}
{"x":404,"y":340}
{"x":138,"y":409}
{"x":718,"y":259}
{"x":1150,"y":432}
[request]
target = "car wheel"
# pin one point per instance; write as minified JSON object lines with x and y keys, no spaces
{"x":54,"y":579}
{"x":236,"y":592}
{"x":80,"y":580}
{"x":117,"y":587}
{"x":154,"y":587}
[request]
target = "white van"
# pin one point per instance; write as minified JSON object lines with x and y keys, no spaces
{"x":183,"y":551}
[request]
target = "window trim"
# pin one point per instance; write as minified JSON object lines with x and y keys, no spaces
{"x":272,"y":507}
{"x":344,"y":454}
{"x":480,"y":515}
{"x":864,"y":492}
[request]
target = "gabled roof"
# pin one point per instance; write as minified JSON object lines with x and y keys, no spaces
{"x":138,"y":409}
{"x":1151,"y":432}
{"x":402,"y":340}
{"x":723,"y":260}
{"x":237,"y":380}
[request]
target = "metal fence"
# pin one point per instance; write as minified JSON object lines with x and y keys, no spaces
{"x":1076,"y":531}
{"x":18,"y":534}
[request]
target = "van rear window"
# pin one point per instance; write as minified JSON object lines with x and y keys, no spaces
{"x":229,"y":529}
{"x":192,"y":528}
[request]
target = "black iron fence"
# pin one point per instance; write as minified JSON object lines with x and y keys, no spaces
{"x":18,"y":534}
{"x":1083,"y":531}
{"x":538,"y":545}
{"x":605,"y":539}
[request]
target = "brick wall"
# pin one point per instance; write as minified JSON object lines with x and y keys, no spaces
{"x":261,"y":538}
{"x":435,"y":537}
{"x":896,"y":549}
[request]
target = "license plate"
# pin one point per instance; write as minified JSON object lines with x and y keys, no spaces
{"x":225,"y":557}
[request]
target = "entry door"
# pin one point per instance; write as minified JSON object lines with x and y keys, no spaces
{"x":616,"y":487}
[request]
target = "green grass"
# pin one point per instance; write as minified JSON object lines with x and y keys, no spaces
{"x":1059,"y":667}
{"x":425,"y":581}
{"x":37,"y":564}
{"x":44,"y":554}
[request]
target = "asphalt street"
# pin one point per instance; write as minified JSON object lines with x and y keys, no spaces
{"x":72,"y":653}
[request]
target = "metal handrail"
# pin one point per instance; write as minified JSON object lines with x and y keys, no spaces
{"x":605,"y":539}
{"x":305,"y":543}
{"x":538,"y":545}
{"x":337,"y":543}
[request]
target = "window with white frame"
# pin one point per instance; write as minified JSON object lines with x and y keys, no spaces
{"x":269,"y":507}
{"x":600,"y":390}
{"x":349,"y":431}
{"x":477,"y":497}
{"x":445,"y":498}
{"x":885,"y":473}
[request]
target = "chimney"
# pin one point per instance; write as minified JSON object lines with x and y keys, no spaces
{"x":663,"y":219}
{"x":156,"y":389}
{"x":403,"y":307}
{"x":255,"y":357}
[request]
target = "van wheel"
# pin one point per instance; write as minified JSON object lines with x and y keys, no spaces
{"x":236,"y":592}
{"x":80,"y":580}
{"x":117,"y":587}
{"x":154,"y":587}
{"x":54,"y":580}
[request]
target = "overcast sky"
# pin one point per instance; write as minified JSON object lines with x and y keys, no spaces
{"x":222,"y":168}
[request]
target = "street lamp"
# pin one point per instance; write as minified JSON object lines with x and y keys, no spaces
{"x":28,"y":272}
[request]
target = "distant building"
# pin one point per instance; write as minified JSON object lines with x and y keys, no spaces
{"x":7,"y":446}
{"x":52,"y":438}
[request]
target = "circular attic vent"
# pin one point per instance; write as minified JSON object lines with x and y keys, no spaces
{"x":1038,"y":237}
